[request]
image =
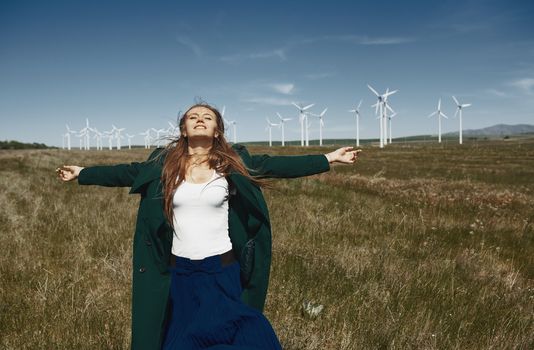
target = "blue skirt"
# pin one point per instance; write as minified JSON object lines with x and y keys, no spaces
{"x":207,"y":311}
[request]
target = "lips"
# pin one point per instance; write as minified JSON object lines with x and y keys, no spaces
{"x":200,"y":126}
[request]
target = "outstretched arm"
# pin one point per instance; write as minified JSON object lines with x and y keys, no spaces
{"x":294,"y":166}
{"x":120,"y":175}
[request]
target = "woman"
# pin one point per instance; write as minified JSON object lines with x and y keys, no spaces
{"x":202,"y":246}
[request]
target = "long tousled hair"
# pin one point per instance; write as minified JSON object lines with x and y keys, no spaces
{"x":220,"y":157}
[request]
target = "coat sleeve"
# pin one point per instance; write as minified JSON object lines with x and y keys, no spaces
{"x":282,"y":166}
{"x":120,"y":175}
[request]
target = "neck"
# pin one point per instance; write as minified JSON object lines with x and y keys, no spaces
{"x":199,"y":146}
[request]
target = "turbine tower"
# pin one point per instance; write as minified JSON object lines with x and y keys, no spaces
{"x":282,"y":122}
{"x":356,"y":112}
{"x":321,"y":125}
{"x":459,"y":107}
{"x":270,"y":126}
{"x":303,"y":118}
{"x":440,"y":114}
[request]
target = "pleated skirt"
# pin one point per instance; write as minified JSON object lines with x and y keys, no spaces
{"x":207,"y":311}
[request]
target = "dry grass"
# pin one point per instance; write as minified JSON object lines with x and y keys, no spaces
{"x":418,"y":247}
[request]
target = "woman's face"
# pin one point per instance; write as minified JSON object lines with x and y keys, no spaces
{"x":200,"y":122}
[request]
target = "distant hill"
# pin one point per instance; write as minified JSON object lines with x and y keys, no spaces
{"x":21,"y":145}
{"x":497,"y":130}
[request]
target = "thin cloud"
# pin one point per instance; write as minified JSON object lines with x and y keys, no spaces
{"x":358,"y":39}
{"x":526,"y":85}
{"x":276,"y":53}
{"x":271,"y":101}
{"x":495,"y":92}
{"x":286,"y":89}
{"x":186,"y":41}
{"x":316,"y":76}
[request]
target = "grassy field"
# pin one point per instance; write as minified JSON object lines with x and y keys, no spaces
{"x":417,"y":246}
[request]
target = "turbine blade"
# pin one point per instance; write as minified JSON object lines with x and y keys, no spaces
{"x":373,"y":90}
{"x":466,"y":105}
{"x":389,"y":93}
{"x":455,"y":100}
{"x":308,"y":106}
{"x":432,"y":114}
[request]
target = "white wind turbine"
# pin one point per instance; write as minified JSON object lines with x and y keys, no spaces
{"x":172,"y":130}
{"x":440,"y":114}
{"x":459,"y":108}
{"x":234,"y":130}
{"x":303,"y":118}
{"x":321,"y":125}
{"x":109,"y":136}
{"x":129,"y":140}
{"x":67,"y":135}
{"x":270,"y":126}
{"x":98,"y":138}
{"x":357,"y":114}
{"x":146,"y":135}
{"x":383,"y":106}
{"x":85,"y":132}
{"x":389,"y":118}
{"x":233,"y":124}
{"x":118,"y":136}
{"x":282,"y":122}
{"x":158,"y":132}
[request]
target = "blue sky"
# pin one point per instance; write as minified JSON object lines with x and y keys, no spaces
{"x":137,"y":63}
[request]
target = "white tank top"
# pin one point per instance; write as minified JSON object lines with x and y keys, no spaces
{"x":201,"y":218}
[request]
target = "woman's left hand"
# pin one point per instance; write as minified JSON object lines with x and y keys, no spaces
{"x":343,"y":155}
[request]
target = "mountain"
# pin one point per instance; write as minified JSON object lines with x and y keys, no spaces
{"x":497,"y":130}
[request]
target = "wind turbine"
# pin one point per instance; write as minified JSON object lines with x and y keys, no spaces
{"x":234,"y":131}
{"x":459,"y":107}
{"x":357,"y":114}
{"x":321,"y":125}
{"x":383,"y":106}
{"x":67,"y":135}
{"x":129,"y":140}
{"x":389,"y":118}
{"x":172,"y":130}
{"x":303,"y":118}
{"x":440,"y":114}
{"x":282,"y":122}
{"x":270,"y":126}
{"x":158,"y":131}
{"x":146,"y":134}
{"x":85,"y":132}
{"x":109,"y":135}
{"x":98,"y":138}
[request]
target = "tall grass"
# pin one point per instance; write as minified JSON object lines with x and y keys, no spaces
{"x":414,"y":247}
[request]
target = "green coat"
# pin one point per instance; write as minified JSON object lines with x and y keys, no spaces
{"x":249,"y":230}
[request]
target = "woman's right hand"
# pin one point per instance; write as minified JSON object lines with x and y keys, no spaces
{"x":68,"y":172}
